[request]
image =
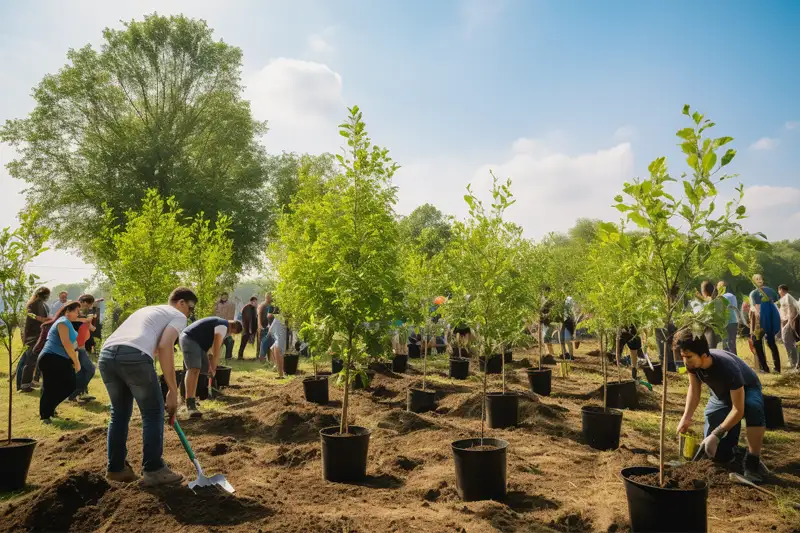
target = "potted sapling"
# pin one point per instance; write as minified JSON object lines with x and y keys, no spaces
{"x":338,"y":260}
{"x":682,"y":237}
{"x":399,"y":347}
{"x":482,"y":253}
{"x":317,"y":335}
{"x":460,"y":337}
{"x":17,"y":249}
{"x":538,"y":258}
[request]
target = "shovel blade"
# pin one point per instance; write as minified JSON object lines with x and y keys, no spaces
{"x":218,"y":480}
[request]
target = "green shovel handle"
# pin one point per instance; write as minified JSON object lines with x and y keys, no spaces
{"x":181,"y":436}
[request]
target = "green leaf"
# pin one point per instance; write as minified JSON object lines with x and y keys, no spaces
{"x":618,"y":198}
{"x":709,"y":160}
{"x":686,"y":133}
{"x":728,"y":157}
{"x":722,"y":141}
{"x":686,"y":110}
{"x":740,"y":210}
{"x":639,"y":220}
{"x":697,"y":117}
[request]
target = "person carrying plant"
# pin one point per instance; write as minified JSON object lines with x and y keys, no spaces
{"x":765,"y":322}
{"x":226,"y":309}
{"x":126,"y":365}
{"x":59,"y":361}
{"x":732,"y":327}
{"x":36,"y":314}
{"x":735,"y":394}
{"x":249,"y":325}
{"x":196,"y":341}
{"x":790,"y":325}
{"x":278,"y":347}
{"x":83,"y":325}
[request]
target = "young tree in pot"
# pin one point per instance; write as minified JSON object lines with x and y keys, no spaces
{"x":17,"y":249}
{"x":339,"y":259}
{"x":422,"y":277}
{"x":483,"y":254}
{"x":537,"y":259}
{"x":318,"y":335}
{"x":679,"y":231}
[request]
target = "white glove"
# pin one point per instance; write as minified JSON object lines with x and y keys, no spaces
{"x":710,"y":445}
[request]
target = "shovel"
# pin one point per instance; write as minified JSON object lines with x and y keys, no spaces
{"x":202,"y":480}
{"x":738,"y":478}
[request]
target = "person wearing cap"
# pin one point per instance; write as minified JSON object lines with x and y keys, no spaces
{"x":732,"y":328}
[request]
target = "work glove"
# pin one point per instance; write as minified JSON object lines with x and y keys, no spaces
{"x":710,"y":444}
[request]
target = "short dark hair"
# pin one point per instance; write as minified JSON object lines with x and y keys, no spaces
{"x":86,"y":298}
{"x":234,"y":326}
{"x":783,"y":287}
{"x":254,"y":298}
{"x":182,"y":293}
{"x":707,"y":287}
{"x":685,"y":339}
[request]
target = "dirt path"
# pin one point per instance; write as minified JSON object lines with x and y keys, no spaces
{"x":269,"y":450}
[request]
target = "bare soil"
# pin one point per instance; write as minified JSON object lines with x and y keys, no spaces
{"x":269,"y":449}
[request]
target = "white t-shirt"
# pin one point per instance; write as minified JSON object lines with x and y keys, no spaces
{"x":143,"y":329}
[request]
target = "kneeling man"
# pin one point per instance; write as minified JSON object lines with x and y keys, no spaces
{"x":735,"y":394}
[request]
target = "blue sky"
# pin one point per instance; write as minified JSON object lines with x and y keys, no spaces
{"x":568,"y":98}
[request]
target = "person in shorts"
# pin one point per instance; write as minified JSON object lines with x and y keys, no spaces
{"x":277,"y":330}
{"x":629,"y":337}
{"x":196,"y":341}
{"x":735,"y":394}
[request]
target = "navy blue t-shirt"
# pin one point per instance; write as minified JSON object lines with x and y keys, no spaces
{"x":202,"y":331}
{"x":726,"y":373}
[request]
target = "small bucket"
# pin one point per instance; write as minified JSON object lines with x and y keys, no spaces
{"x":564,"y":368}
{"x":688,"y":445}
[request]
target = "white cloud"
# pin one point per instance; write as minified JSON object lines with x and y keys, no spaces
{"x":791,"y":125}
{"x":303,"y":103}
{"x":320,"y":43}
{"x":764,"y":143}
{"x":774,"y":211}
{"x":625,"y":133}
{"x":552,"y":188}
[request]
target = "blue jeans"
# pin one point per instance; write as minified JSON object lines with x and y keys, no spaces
{"x":729,"y":344}
{"x":265,"y":343}
{"x":716,"y":411}
{"x":129,"y":374}
{"x":86,"y":374}
{"x":228,"y":343}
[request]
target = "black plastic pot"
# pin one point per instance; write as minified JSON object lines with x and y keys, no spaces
{"x":601,"y":428}
{"x":344,"y":457}
{"x":459,"y":368}
{"x":622,"y":395}
{"x":179,"y":374}
{"x":290,"y":363}
{"x":223,"y":376}
{"x":508,"y":356}
{"x":441,"y":349}
{"x":494,"y":366}
{"x":360,"y":382}
{"x":15,"y":460}
{"x":773,"y":409}
{"x":399,"y":363}
{"x":202,"y":387}
{"x":502,"y":410}
{"x":420,"y":401}
{"x":664,"y":510}
{"x":654,"y":376}
{"x":480,"y":473}
{"x":316,"y":389}
{"x":540,"y":380}
{"x":337,"y":365}
{"x":414,"y":352}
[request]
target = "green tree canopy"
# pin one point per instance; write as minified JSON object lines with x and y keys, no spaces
{"x":158,"y":106}
{"x":426,"y":228}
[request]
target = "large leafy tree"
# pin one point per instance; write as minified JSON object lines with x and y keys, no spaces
{"x":158,"y":106}
{"x":685,"y":236}
{"x":337,"y":256}
{"x":17,"y":249}
{"x":426,"y":228}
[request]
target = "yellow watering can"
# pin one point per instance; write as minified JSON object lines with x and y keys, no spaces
{"x":688,"y":444}
{"x":564,"y":368}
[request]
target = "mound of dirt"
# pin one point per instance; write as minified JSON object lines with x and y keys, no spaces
{"x":291,"y":426}
{"x":468,"y":406}
{"x":404,"y":422}
{"x":294,"y":457}
{"x":55,"y":506}
{"x":573,"y":523}
{"x":687,"y":476}
{"x":76,"y":441}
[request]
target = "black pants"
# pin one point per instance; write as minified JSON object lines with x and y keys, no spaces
{"x":58,"y":382}
{"x":228,"y":344}
{"x":758,"y":344}
{"x":244,"y":341}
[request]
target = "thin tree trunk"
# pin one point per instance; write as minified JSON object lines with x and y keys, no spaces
{"x":617,"y":355}
{"x":10,"y":389}
{"x":663,"y":420}
{"x":483,"y":403}
{"x":503,"y":359}
{"x":540,"y":345}
{"x":343,"y":428}
{"x":604,"y":364}
{"x":424,"y":362}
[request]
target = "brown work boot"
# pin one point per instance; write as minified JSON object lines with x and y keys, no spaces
{"x":162,"y":476}
{"x":125,"y":476}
